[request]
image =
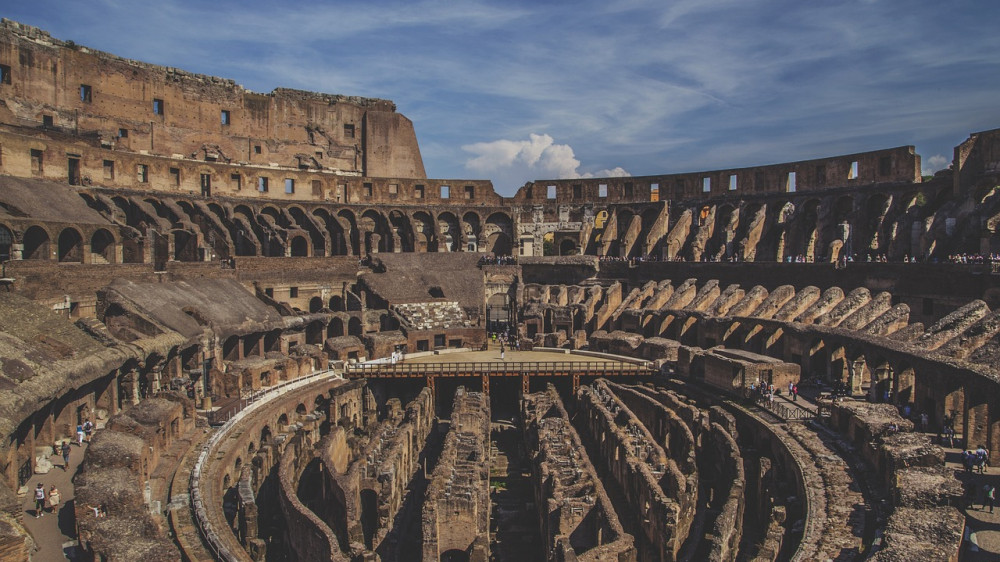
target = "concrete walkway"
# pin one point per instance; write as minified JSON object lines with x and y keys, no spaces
{"x":982,"y":532}
{"x":54,"y":533}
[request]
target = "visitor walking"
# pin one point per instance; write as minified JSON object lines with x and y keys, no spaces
{"x":39,"y":500}
{"x":65,"y":454}
{"x":795,"y":393}
{"x":54,"y":499}
{"x":79,"y":435}
{"x":989,"y":495}
{"x":88,"y":428}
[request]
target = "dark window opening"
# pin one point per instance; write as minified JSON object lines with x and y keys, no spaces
{"x":36,"y":161}
{"x":256,"y":149}
{"x":175,"y":176}
{"x":293,"y":292}
{"x":269,"y":292}
{"x":85,"y":93}
{"x":439,"y":340}
{"x":4,"y":74}
{"x":74,"y":171}
{"x":629,"y":190}
{"x":142,"y":173}
{"x":367,"y":189}
{"x":820,"y":174}
{"x":577,"y":191}
{"x":47,"y":120}
{"x":237,"y":181}
{"x":109,"y":169}
{"x":418,"y":192}
{"x":349,"y":131}
{"x":123,"y":133}
{"x":470,"y":192}
{"x":158,"y":107}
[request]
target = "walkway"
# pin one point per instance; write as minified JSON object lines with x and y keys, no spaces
{"x":54,"y":534}
{"x":982,"y":538}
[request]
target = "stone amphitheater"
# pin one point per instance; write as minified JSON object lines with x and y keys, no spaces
{"x":282,"y":332}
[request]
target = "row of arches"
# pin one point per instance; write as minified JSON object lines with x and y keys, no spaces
{"x":892,"y":222}
{"x":218,"y":230}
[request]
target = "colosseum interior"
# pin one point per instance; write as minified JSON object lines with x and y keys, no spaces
{"x":283,"y":333}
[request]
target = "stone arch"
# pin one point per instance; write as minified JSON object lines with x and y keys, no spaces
{"x":303,"y":221}
{"x":335,"y":328}
{"x":450,"y":235}
{"x":102,"y":247}
{"x":36,"y":244}
{"x":719,"y":246}
{"x":499,"y":232}
{"x":471,"y":228}
{"x":354,"y":326}
{"x":299,"y":247}
{"x":337,"y":303}
{"x":6,"y":243}
{"x":424,"y":237}
{"x":70,"y":249}
{"x":378,"y":236}
{"x":402,"y":229}
{"x":871,"y":232}
{"x":315,"y":305}
{"x":349,"y":224}
{"x":231,"y":349}
{"x":752,"y":218}
{"x":246,"y":235}
{"x":339,"y":243}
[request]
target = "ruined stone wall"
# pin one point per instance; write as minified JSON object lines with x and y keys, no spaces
{"x":456,"y":511}
{"x":132,"y":106}
{"x":899,"y":164}
{"x":307,"y":535}
{"x":653,"y":485}
{"x":578,"y":521}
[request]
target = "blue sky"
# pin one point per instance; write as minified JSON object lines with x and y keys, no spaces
{"x":513,"y":91}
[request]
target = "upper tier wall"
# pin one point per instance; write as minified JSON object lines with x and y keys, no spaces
{"x":890,"y":165}
{"x":138,"y":106}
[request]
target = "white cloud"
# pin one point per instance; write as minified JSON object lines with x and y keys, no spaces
{"x":933,"y":164}
{"x":512,"y":163}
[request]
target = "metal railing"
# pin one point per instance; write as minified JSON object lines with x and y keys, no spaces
{"x":783,"y":410}
{"x":500,"y":368}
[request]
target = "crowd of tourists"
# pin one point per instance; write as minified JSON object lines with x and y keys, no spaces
{"x":498,"y":260}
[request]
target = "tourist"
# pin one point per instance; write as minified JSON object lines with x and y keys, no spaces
{"x":79,"y":435}
{"x":949,"y":436}
{"x":924,"y":420}
{"x":39,"y":500}
{"x":795,"y":393}
{"x":54,"y":499}
{"x":88,"y":428}
{"x":989,"y":494}
{"x":65,"y":454}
